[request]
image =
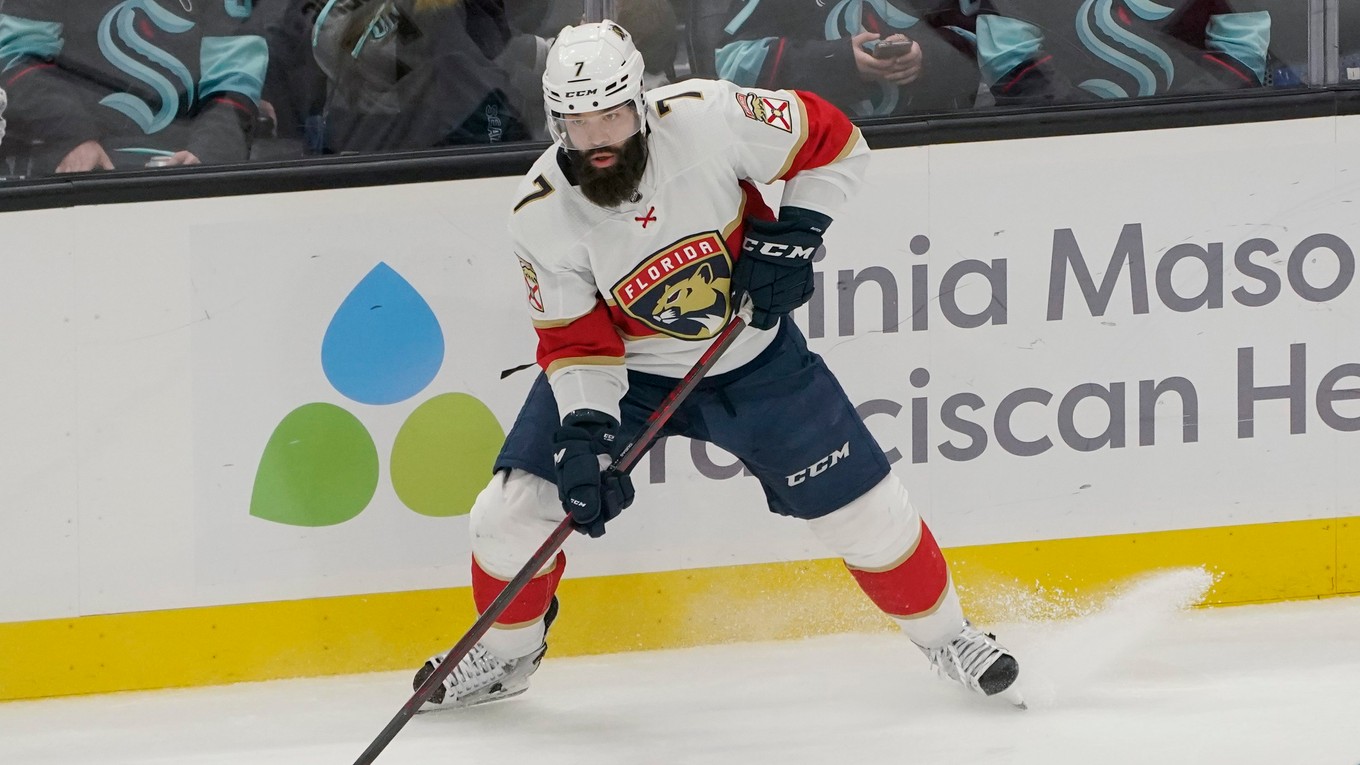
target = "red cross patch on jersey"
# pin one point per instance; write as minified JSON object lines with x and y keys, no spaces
{"x":531,"y":283}
{"x":682,"y":289}
{"x":771,"y":111}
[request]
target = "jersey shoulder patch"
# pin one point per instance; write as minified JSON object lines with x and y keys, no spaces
{"x":766,"y":108}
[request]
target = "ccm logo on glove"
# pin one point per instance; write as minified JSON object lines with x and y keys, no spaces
{"x":775,"y":267}
{"x":778,"y":249}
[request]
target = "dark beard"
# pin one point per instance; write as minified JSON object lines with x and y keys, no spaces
{"x":614,"y":185}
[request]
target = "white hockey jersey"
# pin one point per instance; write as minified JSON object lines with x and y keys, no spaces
{"x":645,"y":285}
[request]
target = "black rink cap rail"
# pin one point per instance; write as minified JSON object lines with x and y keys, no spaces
{"x":463,"y":163}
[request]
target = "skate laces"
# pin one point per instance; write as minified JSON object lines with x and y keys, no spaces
{"x":478,"y":669}
{"x":966,"y":657}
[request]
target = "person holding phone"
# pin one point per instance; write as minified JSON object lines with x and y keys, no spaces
{"x":895,"y":59}
{"x":871,"y":58}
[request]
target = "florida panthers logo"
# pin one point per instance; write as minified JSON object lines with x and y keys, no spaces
{"x":681,"y":290}
{"x":696,"y":297}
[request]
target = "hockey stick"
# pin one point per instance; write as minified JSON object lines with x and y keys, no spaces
{"x":622,"y":464}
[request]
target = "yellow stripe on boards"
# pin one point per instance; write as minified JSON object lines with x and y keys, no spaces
{"x":1251,"y":564}
{"x":390,"y":631}
{"x":1348,"y":555}
{"x":225,"y":644}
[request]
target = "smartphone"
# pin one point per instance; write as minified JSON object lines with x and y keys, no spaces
{"x":890,"y":48}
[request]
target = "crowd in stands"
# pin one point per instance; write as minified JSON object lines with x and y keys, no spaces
{"x":128,"y":84}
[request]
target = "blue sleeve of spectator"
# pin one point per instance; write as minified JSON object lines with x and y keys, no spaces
{"x":1244,"y":36}
{"x":741,"y":61}
{"x":1004,"y":44}
{"x":233,"y":65}
{"x":20,"y":38}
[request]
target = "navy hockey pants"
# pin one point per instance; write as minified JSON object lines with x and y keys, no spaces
{"x":784,"y":415}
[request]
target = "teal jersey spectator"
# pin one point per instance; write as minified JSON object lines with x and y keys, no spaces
{"x":136,"y":77}
{"x":1054,"y":51}
{"x":820,"y":46}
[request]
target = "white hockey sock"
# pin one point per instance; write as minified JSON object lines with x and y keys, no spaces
{"x":514,"y":642}
{"x":937,"y":626}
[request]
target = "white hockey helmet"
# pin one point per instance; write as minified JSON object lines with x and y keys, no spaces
{"x":593,"y":68}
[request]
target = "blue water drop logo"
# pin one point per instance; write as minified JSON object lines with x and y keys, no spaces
{"x":384,"y":344}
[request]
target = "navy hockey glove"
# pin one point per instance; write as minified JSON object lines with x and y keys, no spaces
{"x":582,"y":447}
{"x":775,"y":267}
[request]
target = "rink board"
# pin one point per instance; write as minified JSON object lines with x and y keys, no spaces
{"x":1070,"y":347}
{"x":772,"y":601}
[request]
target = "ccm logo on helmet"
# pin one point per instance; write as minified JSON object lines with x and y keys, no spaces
{"x":777,"y":250}
{"x":821,"y":465}
{"x":577,"y":93}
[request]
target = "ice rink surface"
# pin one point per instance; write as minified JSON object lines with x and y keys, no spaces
{"x":1141,"y":680}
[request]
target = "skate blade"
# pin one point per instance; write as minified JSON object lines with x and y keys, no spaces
{"x":476,"y":702}
{"x":1013,"y":696}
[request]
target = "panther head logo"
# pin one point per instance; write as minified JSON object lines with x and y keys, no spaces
{"x":699,"y":296}
{"x":682,"y":289}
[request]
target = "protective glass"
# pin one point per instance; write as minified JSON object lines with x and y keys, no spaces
{"x":594,"y":130}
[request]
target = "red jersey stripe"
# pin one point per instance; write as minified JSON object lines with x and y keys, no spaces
{"x":752,"y":206}
{"x":627,"y":325}
{"x":829,"y":132}
{"x":592,"y":336}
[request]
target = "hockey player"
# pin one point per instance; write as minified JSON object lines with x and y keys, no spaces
{"x":637,"y":232}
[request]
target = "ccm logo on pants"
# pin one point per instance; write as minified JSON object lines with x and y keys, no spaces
{"x":820,"y":466}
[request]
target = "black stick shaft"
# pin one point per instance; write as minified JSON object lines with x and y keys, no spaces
{"x":643,"y":441}
{"x":622,"y":464}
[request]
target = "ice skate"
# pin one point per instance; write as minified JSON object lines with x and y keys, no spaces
{"x":976,"y":661}
{"x":482,"y":676}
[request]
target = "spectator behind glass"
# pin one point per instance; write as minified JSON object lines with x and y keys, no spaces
{"x":111,"y":84}
{"x":655,"y":31}
{"x":532,"y":26}
{"x":1060,"y":51}
{"x":534,"y":23}
{"x":824,"y":47}
{"x":295,"y":87}
{"x":414,"y":74}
